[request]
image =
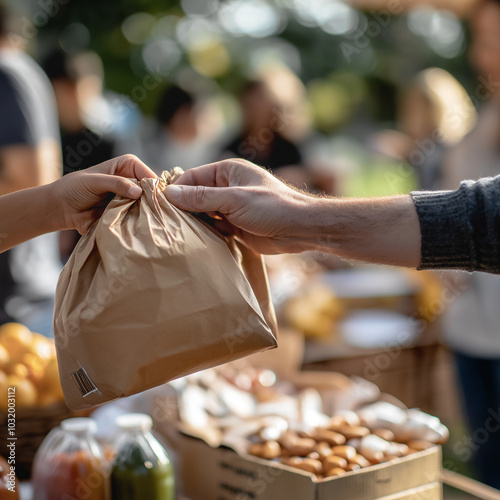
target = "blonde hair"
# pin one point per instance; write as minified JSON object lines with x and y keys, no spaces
{"x":455,"y":113}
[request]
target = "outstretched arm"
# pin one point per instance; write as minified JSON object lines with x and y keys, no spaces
{"x":271,"y":217}
{"x":75,"y":201}
{"x":449,"y":229}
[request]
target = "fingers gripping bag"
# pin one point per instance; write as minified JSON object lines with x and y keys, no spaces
{"x":151,"y":293}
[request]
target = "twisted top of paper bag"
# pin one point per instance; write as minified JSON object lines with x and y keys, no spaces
{"x":167,"y":177}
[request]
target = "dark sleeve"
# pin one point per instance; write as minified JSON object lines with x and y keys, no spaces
{"x":461,"y":229}
{"x":14,"y":116}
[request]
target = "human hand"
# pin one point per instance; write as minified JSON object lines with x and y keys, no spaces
{"x":82,"y":196}
{"x":255,"y":206}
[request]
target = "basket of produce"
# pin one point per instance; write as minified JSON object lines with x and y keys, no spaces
{"x":31,"y":398}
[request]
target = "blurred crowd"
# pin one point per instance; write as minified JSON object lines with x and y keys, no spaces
{"x":58,"y":117}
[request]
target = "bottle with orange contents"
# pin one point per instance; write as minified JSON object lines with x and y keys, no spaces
{"x":71,"y":464}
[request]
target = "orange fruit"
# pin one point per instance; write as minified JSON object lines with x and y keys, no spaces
{"x":4,"y":356}
{"x":16,"y":339}
{"x":25,"y":393}
{"x":35,"y":366}
{"x":50,"y":382}
{"x":3,"y":390}
{"x":43,"y":347}
{"x":19,"y":370}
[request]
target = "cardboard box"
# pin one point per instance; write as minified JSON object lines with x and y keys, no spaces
{"x":220,"y":474}
{"x":432,"y":491}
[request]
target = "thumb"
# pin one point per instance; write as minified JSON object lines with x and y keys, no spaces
{"x":199,"y":198}
{"x":121,"y":186}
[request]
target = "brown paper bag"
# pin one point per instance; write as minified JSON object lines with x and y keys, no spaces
{"x":150,"y":294}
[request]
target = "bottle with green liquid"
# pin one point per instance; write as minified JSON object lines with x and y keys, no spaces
{"x":141,"y":468}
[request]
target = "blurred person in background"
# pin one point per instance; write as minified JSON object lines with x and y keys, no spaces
{"x":261,"y":140}
{"x":472,"y":321}
{"x":74,"y":78}
{"x":434,"y":114}
{"x":426,"y":116}
{"x":178,"y":136}
{"x":30,"y":155}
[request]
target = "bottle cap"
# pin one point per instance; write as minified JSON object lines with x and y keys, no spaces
{"x":80,"y":425}
{"x":134,"y":421}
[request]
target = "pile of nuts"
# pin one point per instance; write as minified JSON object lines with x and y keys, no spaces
{"x":344,"y":445}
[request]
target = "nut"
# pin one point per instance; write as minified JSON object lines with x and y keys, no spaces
{"x":305,"y":464}
{"x":336,"y":471}
{"x":346,"y":452}
{"x":323,"y":449}
{"x":354,"y":431}
{"x":332,"y":461}
{"x":351,"y":467}
{"x":360,"y":460}
{"x":384,"y":434}
{"x":373,"y":456}
{"x":331,"y":437}
{"x":268,"y":450}
{"x":420,"y":445}
{"x":302,"y":446}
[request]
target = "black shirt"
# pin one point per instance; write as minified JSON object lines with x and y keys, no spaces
{"x":282,"y":152}
{"x":84,"y":149}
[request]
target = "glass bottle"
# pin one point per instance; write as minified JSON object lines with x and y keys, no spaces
{"x":70,"y":464}
{"x":142,"y":468}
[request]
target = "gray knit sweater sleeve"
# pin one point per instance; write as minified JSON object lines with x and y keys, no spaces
{"x":461,"y":229}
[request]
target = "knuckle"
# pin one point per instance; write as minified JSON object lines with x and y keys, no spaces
{"x":120,"y":182}
{"x":198,"y":195}
{"x":129,"y":157}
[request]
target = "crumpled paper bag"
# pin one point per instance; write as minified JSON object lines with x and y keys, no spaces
{"x":151,"y":293}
